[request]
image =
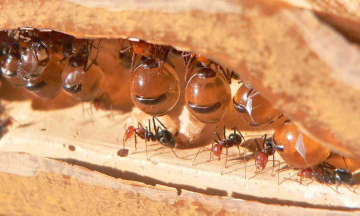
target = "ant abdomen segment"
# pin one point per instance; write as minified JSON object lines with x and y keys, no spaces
{"x":153,"y":91}
{"x":297,"y":149}
{"x":207,"y":96}
{"x":254,"y":109}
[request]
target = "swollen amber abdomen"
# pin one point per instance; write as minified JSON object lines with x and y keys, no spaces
{"x":300,"y":151}
{"x":83,"y":86}
{"x":153,"y":91}
{"x":207,"y":96}
{"x":255,"y":109}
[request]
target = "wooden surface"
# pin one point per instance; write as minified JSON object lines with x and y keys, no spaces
{"x":60,"y":129}
{"x":63,"y":134}
{"x":34,"y":185}
{"x":296,"y":60}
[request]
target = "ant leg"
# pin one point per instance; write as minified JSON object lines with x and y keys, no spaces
{"x":135,"y":142}
{"x":238,"y":150}
{"x":190,"y":64}
{"x":272,"y":171}
{"x":196,"y":156}
{"x":174,"y":152}
{"x":146,"y":146}
{"x":273,"y":160}
{"x":290,"y":178}
{"x":349,"y":188}
{"x":226,"y":75}
{"x":239,"y":133}
{"x":134,"y":61}
{"x":160,"y":122}
{"x":321,"y":179}
{"x":83,"y":109}
{"x":345,"y":162}
{"x":245,"y":163}
{"x":328,"y":166}
{"x":93,"y":61}
{"x":224,"y":133}
{"x":91,"y":114}
{"x":217,"y":135}
{"x":225,"y":164}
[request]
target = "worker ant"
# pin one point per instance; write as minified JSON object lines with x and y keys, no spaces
{"x":262,"y":155}
{"x":161,"y":134}
{"x":327,"y":174}
{"x":234,"y":139}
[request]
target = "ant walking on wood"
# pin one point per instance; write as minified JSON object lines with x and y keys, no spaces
{"x":161,"y":134}
{"x":262,"y":155}
{"x":234,"y":139}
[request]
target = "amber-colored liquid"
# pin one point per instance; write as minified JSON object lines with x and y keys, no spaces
{"x":92,"y":81}
{"x":28,"y":66}
{"x":9,"y":67}
{"x":256,"y":110}
{"x":288,"y":136}
{"x":52,"y":79}
{"x":161,"y":90}
{"x":207,"y":92}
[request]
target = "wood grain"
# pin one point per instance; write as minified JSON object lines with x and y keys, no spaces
{"x":38,"y":186}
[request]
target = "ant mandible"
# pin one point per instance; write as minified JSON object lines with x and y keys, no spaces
{"x":234,"y":139}
{"x":161,"y":134}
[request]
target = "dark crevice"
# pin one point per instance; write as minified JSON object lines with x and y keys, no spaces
{"x":350,"y":29}
{"x":113,"y":172}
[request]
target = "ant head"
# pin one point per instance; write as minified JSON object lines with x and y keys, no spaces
{"x":217,"y":150}
{"x":141,"y":48}
{"x":200,"y":58}
{"x":8,"y":122}
{"x":305,"y":172}
{"x":97,"y":104}
{"x":129,"y":132}
{"x":261,"y":160}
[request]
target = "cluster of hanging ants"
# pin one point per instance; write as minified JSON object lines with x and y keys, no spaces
{"x":25,"y":54}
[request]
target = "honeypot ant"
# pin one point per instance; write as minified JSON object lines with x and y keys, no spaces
{"x":192,"y":60}
{"x":234,"y":139}
{"x":35,"y":52}
{"x":161,"y":134}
